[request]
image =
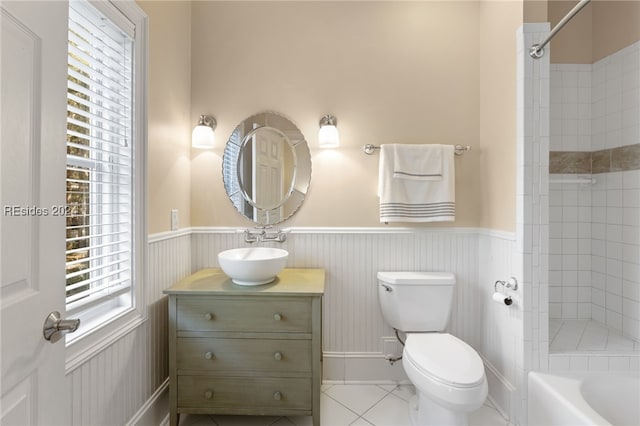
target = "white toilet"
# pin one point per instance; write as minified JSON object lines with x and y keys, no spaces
{"x":447,"y":373}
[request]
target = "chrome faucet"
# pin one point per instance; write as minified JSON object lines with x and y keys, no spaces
{"x":262,"y":235}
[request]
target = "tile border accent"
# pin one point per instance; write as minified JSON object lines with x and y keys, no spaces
{"x":576,"y":162}
{"x":620,"y":159}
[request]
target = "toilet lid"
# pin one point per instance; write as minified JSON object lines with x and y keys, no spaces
{"x":445,"y":358}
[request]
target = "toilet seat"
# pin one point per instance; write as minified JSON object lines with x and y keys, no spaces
{"x":446,"y":370}
{"x":444,"y":358}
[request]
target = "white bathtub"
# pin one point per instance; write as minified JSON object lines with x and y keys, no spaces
{"x":583,"y":399}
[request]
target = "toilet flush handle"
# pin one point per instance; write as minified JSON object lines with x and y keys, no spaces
{"x":387,"y":288}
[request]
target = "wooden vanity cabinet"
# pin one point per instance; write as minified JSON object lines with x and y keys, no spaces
{"x":246,"y":350}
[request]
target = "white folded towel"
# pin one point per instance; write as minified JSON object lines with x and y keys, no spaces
{"x":407,"y":200}
{"x":417,"y":162}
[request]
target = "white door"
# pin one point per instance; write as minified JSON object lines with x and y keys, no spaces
{"x":268,"y":174}
{"x":33,"y":156}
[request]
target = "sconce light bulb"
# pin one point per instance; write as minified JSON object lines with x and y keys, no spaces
{"x":328,"y":135}
{"x":203,"y":136}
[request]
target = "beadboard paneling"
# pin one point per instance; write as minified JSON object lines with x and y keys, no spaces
{"x":111,"y":387}
{"x":352,"y":319}
{"x":496,"y":331}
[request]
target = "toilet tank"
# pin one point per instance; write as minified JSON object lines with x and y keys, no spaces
{"x":416,"y":301}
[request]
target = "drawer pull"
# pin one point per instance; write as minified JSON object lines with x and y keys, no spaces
{"x":277,"y":396}
{"x":208,"y":316}
{"x":277,"y":317}
{"x":208,"y":394}
{"x":277,"y":356}
{"x":208,"y":355}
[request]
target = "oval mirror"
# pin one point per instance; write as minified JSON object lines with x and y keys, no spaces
{"x":266,"y":168}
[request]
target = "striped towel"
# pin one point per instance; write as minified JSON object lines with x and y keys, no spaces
{"x":417,"y":162}
{"x":406,"y":200}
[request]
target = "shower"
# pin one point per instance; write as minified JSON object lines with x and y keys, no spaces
{"x":594,"y":184}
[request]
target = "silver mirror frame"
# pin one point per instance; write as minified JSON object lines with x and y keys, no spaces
{"x":295,"y":189}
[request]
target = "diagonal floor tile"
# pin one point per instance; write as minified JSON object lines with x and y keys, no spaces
{"x":358,"y":398}
{"x":405,"y":392}
{"x":332,"y":413}
{"x":486,"y":416}
{"x":391,"y":411}
{"x":361,"y":422}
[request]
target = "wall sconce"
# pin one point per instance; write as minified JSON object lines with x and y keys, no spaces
{"x":203,"y":136}
{"x":328,"y":136}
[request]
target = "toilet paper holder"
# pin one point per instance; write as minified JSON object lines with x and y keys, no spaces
{"x":511,"y":284}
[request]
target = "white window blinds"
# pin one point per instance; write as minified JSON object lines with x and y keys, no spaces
{"x":229,"y":169}
{"x":99,"y":181}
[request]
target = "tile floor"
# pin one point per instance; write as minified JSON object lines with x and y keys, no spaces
{"x":568,"y":336}
{"x":350,"y":405}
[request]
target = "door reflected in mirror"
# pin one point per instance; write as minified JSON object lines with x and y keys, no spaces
{"x":266,"y":168}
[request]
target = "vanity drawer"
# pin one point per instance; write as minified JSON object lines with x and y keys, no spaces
{"x":243,"y":314}
{"x":259,"y":355}
{"x":244,"y":393}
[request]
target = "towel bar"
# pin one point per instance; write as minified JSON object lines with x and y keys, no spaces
{"x":459,"y":149}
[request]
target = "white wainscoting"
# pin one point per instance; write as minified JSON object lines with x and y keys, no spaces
{"x":111,"y":387}
{"x":126,"y":383}
{"x":355,"y":336}
{"x":497,"y":332}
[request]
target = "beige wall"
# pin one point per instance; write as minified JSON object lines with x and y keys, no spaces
{"x":169,"y":117}
{"x":616,"y":24}
{"x":534,"y":11}
{"x":573,"y":44}
{"x":603,"y":27}
{"x":391,"y":72}
{"x":498,"y":24}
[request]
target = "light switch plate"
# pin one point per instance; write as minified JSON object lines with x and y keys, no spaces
{"x":174,"y":219}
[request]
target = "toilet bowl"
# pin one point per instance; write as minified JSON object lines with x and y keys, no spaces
{"x":448,"y":376}
{"x":447,"y":373}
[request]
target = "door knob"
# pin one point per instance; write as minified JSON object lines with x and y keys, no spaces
{"x":54,"y":326}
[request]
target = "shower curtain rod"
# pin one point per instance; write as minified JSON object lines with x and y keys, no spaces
{"x":537,"y":50}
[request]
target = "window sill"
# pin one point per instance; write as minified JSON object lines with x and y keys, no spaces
{"x":86,"y":347}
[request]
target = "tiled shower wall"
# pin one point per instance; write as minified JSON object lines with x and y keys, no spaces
{"x":594,"y":265}
{"x":595,"y":107}
{"x":569,"y":249}
{"x":595,"y":229}
{"x":532,"y":202}
{"x":570,"y":97}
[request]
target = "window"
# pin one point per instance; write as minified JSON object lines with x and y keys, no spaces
{"x":105,"y":146}
{"x":229,"y":172}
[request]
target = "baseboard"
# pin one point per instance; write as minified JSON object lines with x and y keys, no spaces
{"x":361,"y":367}
{"x":155,"y":411}
{"x":501,"y":390}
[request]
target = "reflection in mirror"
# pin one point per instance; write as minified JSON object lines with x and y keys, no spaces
{"x":266,"y":168}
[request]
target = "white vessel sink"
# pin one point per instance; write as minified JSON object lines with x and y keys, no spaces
{"x":252,"y":265}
